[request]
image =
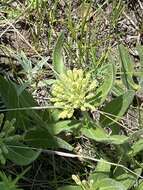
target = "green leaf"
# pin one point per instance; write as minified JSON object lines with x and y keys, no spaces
{"x":70,"y":187}
{"x":116,"y":108}
{"x":140,"y":187}
{"x":21,"y":154}
{"x":30,"y":116}
{"x":58,"y":127}
{"x":26,"y":117}
{"x":98,"y":134}
{"x":3,"y":186}
{"x":118,"y":89}
{"x":58,"y":62}
{"x":102,"y":92}
{"x":9,"y":96}
{"x":102,"y":171}
{"x":127,"y":68}
{"x":108,"y":184}
{"x":140,"y":51}
{"x":41,"y":138}
{"x":127,"y":179}
{"x":8,"y":183}
{"x":136,"y":134}
{"x":118,"y":139}
{"x":137,"y":147}
{"x":12,"y":99}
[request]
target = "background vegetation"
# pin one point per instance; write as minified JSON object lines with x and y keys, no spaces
{"x":71,"y":93}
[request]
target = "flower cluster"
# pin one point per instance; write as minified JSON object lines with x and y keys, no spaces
{"x":73,"y":90}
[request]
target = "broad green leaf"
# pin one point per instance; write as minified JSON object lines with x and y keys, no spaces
{"x":58,"y":62}
{"x":127,"y":68}
{"x":58,"y":127}
{"x":116,"y":108}
{"x":63,"y":144}
{"x":108,"y":184}
{"x":102,"y":92}
{"x":137,"y":134}
{"x":31,"y":116}
{"x":140,"y":187}
{"x":3,"y":186}
{"x":102,"y":171}
{"x":28,"y":116}
{"x":137,"y":147}
{"x":21,"y":154}
{"x":14,"y":100}
{"x":70,"y":187}
{"x":9,"y":96}
{"x":41,"y":138}
{"x":127,"y":179}
{"x":118,"y":139}
{"x":98,"y":134}
{"x":140,"y":51}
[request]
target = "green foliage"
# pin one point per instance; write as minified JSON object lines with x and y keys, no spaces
{"x":140,"y":187}
{"x":32,"y":74}
{"x":70,"y":187}
{"x":118,"y":7}
{"x":21,"y":154}
{"x":105,"y":87}
{"x":58,"y":60}
{"x":7,"y":135}
{"x":97,"y":181}
{"x":6,"y":183}
{"x":74,"y":90}
{"x":35,"y":4}
{"x":10,"y":101}
{"x":14,"y":99}
{"x":111,"y":113}
{"x":127,"y":69}
{"x":137,"y":147}
{"x":98,"y":134}
{"x":114,"y":110}
{"x":40,"y":138}
{"x":11,"y":149}
{"x":140,"y":51}
{"x":127,"y":179}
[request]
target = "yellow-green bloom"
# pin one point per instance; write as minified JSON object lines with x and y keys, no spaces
{"x":73,"y":90}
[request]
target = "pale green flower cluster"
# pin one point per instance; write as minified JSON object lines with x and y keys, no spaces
{"x":73,"y":90}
